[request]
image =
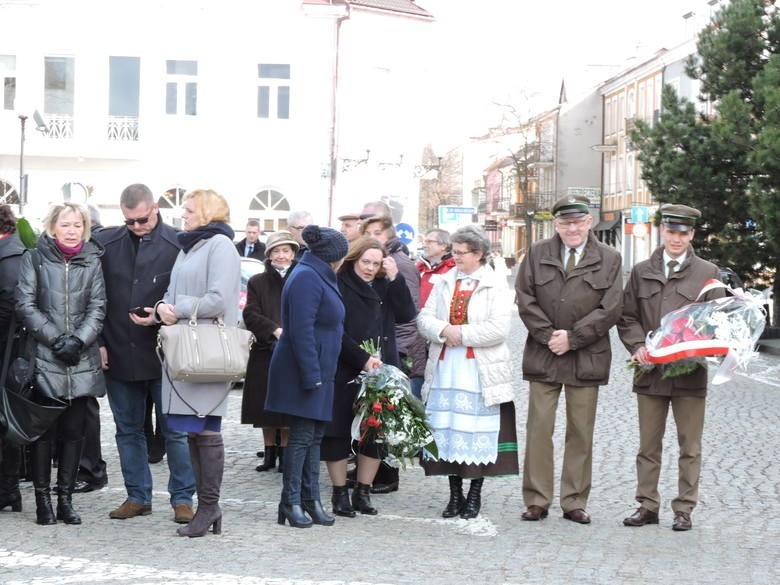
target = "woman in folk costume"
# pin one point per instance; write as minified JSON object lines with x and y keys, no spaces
{"x":468,"y":377}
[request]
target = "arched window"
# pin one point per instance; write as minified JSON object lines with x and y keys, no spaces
{"x":170,"y":205}
{"x":8,"y":194}
{"x":270,"y":208}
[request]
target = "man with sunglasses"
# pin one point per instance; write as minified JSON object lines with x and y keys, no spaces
{"x":137,"y":266}
{"x":569,"y":295}
{"x":296,"y":221}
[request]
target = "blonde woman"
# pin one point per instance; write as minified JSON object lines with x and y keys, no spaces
{"x":206,"y":274}
{"x":61,"y":299}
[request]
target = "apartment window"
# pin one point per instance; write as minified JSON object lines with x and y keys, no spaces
{"x":59,"y":85}
{"x":124,"y":86}
{"x":181,"y":89}
{"x":273,"y":91}
{"x":8,"y":75}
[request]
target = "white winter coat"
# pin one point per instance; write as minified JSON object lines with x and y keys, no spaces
{"x":489,"y":314}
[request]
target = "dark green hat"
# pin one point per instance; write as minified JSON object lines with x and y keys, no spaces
{"x":680,"y":218}
{"x":571,"y":206}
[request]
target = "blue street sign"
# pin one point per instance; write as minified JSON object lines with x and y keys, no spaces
{"x":405,"y":233}
{"x":640,"y":214}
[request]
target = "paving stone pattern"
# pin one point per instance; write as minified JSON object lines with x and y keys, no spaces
{"x":734,"y":540}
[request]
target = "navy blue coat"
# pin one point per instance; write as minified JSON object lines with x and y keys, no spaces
{"x":303,"y":366}
{"x":134,"y":279}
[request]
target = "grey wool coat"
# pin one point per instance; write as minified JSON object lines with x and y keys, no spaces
{"x":210,"y":273}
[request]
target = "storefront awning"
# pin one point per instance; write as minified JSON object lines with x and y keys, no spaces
{"x":605,"y":226}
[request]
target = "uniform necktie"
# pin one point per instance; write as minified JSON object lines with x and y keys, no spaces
{"x":249,"y":249}
{"x":671,"y":266}
{"x":570,"y":260}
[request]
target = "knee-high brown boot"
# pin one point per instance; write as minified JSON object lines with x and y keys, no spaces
{"x":211,"y":461}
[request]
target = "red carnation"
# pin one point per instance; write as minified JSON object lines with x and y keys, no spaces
{"x":376,"y":407}
{"x":372,"y":421}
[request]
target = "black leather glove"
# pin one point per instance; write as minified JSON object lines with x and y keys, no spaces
{"x":67,"y":349}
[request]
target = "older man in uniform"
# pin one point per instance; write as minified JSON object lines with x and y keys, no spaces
{"x":671,"y":278}
{"x":569,"y":294}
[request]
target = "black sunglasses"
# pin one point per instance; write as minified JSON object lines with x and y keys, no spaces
{"x":139,"y":220}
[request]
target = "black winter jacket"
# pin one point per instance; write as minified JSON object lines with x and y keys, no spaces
{"x":55,"y":297}
{"x":134,"y":279}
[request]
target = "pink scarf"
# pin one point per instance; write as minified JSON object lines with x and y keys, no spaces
{"x":67,"y":251}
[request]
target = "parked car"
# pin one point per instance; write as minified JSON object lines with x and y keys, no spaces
{"x":249,"y":267}
{"x":730,"y":278}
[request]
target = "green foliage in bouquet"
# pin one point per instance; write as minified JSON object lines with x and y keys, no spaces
{"x":26,"y":233}
{"x":387,"y":413}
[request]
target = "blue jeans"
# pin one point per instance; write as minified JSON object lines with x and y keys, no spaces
{"x":301,"y":479}
{"x":128,"y":404}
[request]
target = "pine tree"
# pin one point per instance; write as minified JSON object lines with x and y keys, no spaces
{"x":726,"y":164}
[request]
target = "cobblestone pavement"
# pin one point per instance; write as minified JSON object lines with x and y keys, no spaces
{"x":734,"y":540}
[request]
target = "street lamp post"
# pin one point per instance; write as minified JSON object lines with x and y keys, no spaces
{"x":22,"y":176}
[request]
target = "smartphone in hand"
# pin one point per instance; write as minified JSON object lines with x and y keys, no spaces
{"x":140,"y":311}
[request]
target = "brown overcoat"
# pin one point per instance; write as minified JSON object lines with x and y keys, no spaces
{"x":586,"y":303}
{"x":648,"y":297}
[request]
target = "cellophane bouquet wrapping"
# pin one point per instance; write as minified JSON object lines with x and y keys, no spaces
{"x":724,"y":330}
{"x":387,"y":413}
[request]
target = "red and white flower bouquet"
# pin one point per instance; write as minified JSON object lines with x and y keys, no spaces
{"x":725,"y":330}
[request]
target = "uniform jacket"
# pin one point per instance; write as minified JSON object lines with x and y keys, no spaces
{"x":486,"y":331}
{"x":134,"y":279}
{"x":303,"y":366}
{"x":57,"y":297}
{"x":586,"y":303}
{"x":428,"y":274}
{"x":210,"y":273}
{"x":648,"y":297}
{"x":258,"y":252}
{"x":372,"y":312}
{"x":11,"y":250}
{"x":262,"y":316}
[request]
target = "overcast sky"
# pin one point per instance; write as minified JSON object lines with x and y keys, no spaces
{"x":517,"y":51}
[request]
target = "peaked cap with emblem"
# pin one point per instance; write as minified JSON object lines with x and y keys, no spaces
{"x":680,"y":218}
{"x":571,"y":206}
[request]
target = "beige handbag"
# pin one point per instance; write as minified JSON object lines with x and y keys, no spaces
{"x":204,"y":352}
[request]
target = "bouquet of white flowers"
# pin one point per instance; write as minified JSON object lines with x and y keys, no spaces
{"x":386,"y":412}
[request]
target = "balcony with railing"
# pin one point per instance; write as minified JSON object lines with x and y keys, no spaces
{"x":123,"y":128}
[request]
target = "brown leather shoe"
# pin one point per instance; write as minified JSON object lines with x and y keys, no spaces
{"x":682,"y":521}
{"x":182,"y":513}
{"x":641,"y":517}
{"x":533,"y":513}
{"x":130,"y":509}
{"x":577,"y":515}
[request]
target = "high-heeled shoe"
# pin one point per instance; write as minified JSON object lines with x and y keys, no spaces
{"x":318,"y":515}
{"x":294,"y":514}
{"x":206,"y":516}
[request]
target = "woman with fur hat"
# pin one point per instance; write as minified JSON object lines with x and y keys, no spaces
{"x":303,"y":367}
{"x":263,"y":317}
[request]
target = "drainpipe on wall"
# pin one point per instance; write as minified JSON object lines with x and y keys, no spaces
{"x":334,"y":113}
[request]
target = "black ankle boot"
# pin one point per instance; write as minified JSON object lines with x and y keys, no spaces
{"x":340,"y":501}
{"x":457,"y":500}
{"x":40,"y":456}
{"x":9,"y":477}
{"x":473,"y":499}
{"x":293,"y":513}
{"x":269,"y":459}
{"x":314,"y":509}
{"x":70,"y":454}
{"x":280,"y":458}
{"x":361,"y":499}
